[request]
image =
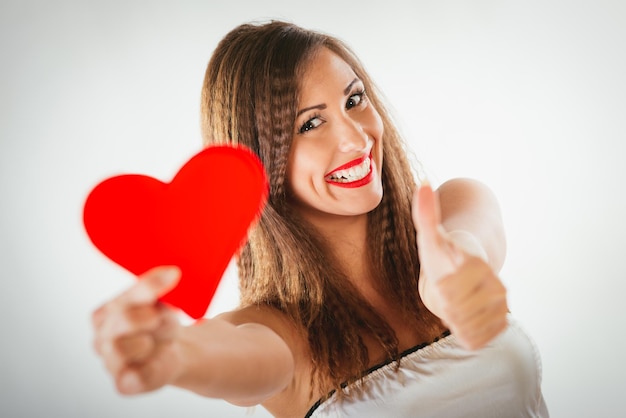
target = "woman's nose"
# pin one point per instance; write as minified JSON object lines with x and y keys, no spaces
{"x":352,"y":137}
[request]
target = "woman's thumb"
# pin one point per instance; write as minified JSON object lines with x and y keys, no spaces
{"x":437,"y":254}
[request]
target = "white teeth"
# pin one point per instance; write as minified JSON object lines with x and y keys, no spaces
{"x":353,"y":173}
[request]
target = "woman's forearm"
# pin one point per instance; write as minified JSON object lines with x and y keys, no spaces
{"x":243,"y":364}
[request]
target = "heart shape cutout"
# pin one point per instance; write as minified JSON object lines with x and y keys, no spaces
{"x":197,"y":222}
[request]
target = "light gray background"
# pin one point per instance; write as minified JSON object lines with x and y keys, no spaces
{"x":527,"y":96}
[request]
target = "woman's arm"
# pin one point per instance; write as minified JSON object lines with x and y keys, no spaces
{"x":144,"y":347}
{"x":244,"y":364}
{"x":469,"y":206}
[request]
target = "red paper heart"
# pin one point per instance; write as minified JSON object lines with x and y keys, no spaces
{"x":196,"y":222}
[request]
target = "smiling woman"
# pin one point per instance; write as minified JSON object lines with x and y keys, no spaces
{"x":345,"y":309}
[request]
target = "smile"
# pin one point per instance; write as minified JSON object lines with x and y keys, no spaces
{"x":353,"y":174}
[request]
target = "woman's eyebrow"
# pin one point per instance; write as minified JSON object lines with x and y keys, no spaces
{"x":346,"y":91}
{"x":306,"y":109}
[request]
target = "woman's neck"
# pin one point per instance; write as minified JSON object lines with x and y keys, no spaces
{"x":346,"y":237}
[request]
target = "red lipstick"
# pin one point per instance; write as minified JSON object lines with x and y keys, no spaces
{"x":336,"y":178}
{"x":347,"y":165}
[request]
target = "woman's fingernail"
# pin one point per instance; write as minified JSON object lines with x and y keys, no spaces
{"x":130,"y":383}
{"x":170,"y":274}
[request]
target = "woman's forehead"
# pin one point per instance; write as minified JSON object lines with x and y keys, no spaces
{"x":323,"y":68}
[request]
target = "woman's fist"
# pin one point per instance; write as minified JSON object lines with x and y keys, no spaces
{"x":135,"y":334}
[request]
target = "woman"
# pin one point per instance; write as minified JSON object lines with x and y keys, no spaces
{"x":345,"y":310}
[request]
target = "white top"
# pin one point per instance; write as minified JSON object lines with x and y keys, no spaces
{"x":445,"y":380}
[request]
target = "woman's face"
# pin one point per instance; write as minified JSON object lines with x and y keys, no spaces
{"x":336,"y":155}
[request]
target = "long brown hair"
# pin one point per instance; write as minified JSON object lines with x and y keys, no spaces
{"x":250,"y":97}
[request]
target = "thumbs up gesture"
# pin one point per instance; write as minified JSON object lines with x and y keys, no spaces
{"x":456,"y":282}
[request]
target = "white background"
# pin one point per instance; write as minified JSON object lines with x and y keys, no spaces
{"x":527,"y":96}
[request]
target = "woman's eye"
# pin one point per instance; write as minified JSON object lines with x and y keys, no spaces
{"x":355,"y":100}
{"x":310,"y":124}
